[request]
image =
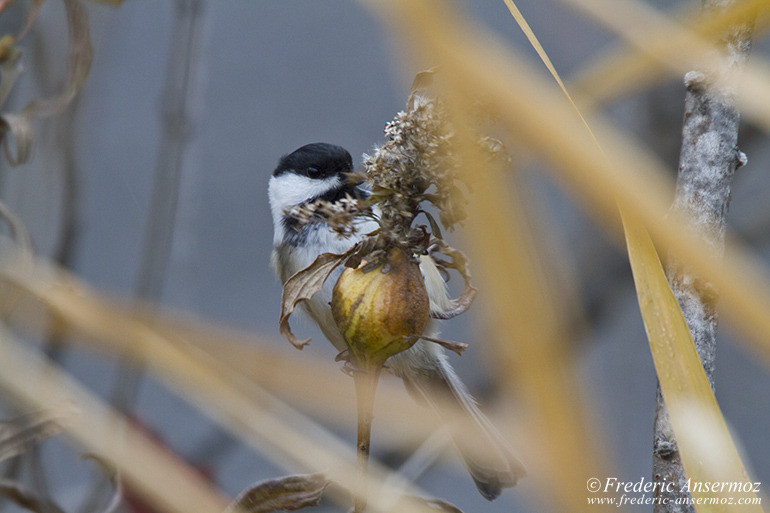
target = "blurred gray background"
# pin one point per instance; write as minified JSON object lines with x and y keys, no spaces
{"x":265,"y":78}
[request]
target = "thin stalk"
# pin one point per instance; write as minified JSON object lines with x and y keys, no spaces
{"x":176,"y":115}
{"x":366,"y":385}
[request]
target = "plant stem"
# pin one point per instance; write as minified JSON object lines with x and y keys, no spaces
{"x":365,"y":380}
{"x":176,"y":115}
{"x":708,"y":159}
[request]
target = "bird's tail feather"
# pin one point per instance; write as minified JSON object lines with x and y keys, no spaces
{"x":488,"y":458}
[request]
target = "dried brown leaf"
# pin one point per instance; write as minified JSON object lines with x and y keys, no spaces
{"x":282,"y":494}
{"x":26,"y":498}
{"x":301,"y":287}
{"x":360,"y":251}
{"x":303,"y":284}
{"x":422,"y":85}
{"x":17,"y":435}
{"x":434,"y":226}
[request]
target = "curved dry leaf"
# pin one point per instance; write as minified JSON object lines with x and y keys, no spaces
{"x":435,"y":229}
{"x":459,"y":263}
{"x":282,"y":494}
{"x":79,"y":57}
{"x":17,"y":435}
{"x":19,"y":232}
{"x":303,"y":285}
{"x":422,"y":85}
{"x":113,"y":476}
{"x":26,"y":498}
{"x":10,"y":67}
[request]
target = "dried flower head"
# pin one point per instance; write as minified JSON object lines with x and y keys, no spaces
{"x":417,"y":165}
{"x":414,"y":172}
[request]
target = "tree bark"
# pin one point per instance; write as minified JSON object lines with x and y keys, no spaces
{"x":708,"y":159}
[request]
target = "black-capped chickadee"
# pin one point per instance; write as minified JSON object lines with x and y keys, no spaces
{"x":317,"y":171}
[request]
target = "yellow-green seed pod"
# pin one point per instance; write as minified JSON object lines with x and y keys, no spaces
{"x":381,"y":312}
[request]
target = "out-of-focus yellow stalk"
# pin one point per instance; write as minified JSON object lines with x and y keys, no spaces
{"x":527,"y":331}
{"x":681,"y":50}
{"x":529,"y":341}
{"x":626,"y":70}
{"x":682,"y":379}
{"x":244,"y":409}
{"x":155,"y":473}
{"x":531,"y":111}
{"x":680,"y":373}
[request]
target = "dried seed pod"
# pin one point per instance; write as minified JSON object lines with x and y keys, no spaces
{"x":381,"y":312}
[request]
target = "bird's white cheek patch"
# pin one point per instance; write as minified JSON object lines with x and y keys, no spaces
{"x":288,"y":190}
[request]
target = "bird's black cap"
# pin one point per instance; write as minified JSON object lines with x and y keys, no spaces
{"x":316,"y":160}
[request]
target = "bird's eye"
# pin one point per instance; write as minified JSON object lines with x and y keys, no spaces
{"x":313,"y":172}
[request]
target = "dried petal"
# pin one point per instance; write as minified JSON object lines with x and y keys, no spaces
{"x":459,"y":263}
{"x":283,"y":494}
{"x":302,"y":286}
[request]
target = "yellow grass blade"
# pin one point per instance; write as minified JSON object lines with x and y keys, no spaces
{"x":547,"y":61}
{"x":528,"y":332}
{"x":530,"y":337}
{"x":683,"y":382}
{"x":516,"y":13}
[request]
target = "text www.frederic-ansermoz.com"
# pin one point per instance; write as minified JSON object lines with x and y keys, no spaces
{"x":644,"y":492}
